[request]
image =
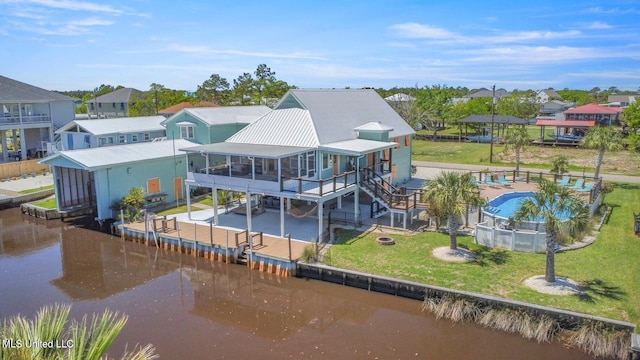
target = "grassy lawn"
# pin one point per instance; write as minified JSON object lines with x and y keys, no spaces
{"x":623,"y":162}
{"x":608,"y":269}
{"x":47,"y":203}
{"x":207,"y":200}
{"x":29,"y":191}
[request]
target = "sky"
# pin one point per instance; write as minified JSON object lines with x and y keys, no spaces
{"x":75,"y":44}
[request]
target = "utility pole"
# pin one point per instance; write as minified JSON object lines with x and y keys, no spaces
{"x":493,"y":115}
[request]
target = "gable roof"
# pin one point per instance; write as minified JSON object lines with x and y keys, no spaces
{"x":117,"y":125}
{"x":16,"y":91}
{"x":224,"y":114}
{"x":592,"y":109}
{"x":119,"y":96}
{"x":285,"y":127}
{"x":488,"y":93}
{"x":102,"y":157}
{"x":335,"y":113}
{"x":622,"y":98}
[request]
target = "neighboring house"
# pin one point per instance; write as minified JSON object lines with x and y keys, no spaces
{"x":316,"y":146}
{"x":97,"y":178}
{"x":82,"y":134}
{"x":113,"y":104}
{"x":546,"y":95}
{"x":29,"y":115}
{"x":551,"y":108}
{"x":500,"y":93}
{"x":209,"y":125}
{"x":602,"y":115}
{"x":621,"y":100}
{"x":171,"y":110}
{"x":399,"y":97}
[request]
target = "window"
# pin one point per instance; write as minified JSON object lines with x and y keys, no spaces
{"x":147,"y":137}
{"x":122,"y":139}
{"x":100,"y":105}
{"x":121,"y":106}
{"x":113,"y":105}
{"x":102,"y":141}
{"x":186,"y":132}
{"x":327,"y":161}
{"x":134,"y":138}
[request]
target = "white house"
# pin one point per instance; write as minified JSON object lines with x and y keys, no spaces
{"x":82,"y":134}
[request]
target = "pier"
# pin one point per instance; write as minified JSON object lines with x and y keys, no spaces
{"x":263,"y":252}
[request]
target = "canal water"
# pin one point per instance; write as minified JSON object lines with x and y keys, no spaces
{"x":190,"y":308}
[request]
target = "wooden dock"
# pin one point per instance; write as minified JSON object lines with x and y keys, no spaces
{"x":270,"y":254}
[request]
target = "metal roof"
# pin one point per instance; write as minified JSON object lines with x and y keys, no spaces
{"x":117,"y":125}
{"x":565,"y":123}
{"x":16,"y":91}
{"x":286,"y":127}
{"x":357,"y":147}
{"x":593,"y":109}
{"x":224,"y":114}
{"x":118,"y":96}
{"x":498,"y":119}
{"x":257,"y":150}
{"x":109,"y":156}
{"x":335,"y":113}
{"x":374,"y":127}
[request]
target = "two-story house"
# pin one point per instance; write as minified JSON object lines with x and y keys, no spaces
{"x":207,"y":125}
{"x":113,"y":104}
{"x":316,"y":146}
{"x":82,"y":134}
{"x":28,"y":117}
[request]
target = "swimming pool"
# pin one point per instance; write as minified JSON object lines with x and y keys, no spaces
{"x":505,"y":206}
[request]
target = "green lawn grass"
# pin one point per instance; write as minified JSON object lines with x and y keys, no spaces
{"x":207,"y":200}
{"x":29,"y":191}
{"x":47,"y":203}
{"x":609,"y":269}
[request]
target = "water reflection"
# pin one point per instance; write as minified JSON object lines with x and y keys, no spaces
{"x":192,"y":308}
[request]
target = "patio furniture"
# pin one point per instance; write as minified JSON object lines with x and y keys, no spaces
{"x":475,"y":182}
{"x":586,"y":188}
{"x":578,"y":185}
{"x":564,"y":181}
{"x":491,"y":183}
{"x":503,"y":181}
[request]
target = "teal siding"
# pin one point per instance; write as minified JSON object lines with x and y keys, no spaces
{"x":220,"y":133}
{"x":114,"y":183}
{"x":401,"y":157}
{"x":200,"y":130}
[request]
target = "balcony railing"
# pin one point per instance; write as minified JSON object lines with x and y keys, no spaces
{"x":319,"y":187}
{"x":26,"y":119}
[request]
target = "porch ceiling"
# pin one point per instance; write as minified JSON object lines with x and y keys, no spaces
{"x":240,"y":149}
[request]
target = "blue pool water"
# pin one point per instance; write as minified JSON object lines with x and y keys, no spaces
{"x":505,"y":205}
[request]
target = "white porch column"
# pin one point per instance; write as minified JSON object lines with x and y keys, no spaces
{"x":404,"y":221}
{"x":188,"y":201}
{"x":5,"y":151}
{"x":320,"y":222}
{"x":248,"y":206}
{"x":281,"y":216}
{"x":214,"y":196}
{"x":339,"y":202}
{"x":23,"y":145}
{"x":393,"y":218}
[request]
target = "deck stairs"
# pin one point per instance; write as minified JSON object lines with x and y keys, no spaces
{"x":389,"y":196}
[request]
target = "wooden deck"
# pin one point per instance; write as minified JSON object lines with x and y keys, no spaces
{"x":272,"y":246}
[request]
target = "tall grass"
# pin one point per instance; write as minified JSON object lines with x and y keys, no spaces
{"x":598,"y":340}
{"x":88,"y":339}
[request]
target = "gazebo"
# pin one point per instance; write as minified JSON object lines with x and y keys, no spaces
{"x":502,"y":121}
{"x":575,"y":134}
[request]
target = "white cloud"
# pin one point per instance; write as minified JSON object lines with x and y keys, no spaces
{"x":598,"y":25}
{"x":421,"y":31}
{"x":203,"y":50}
{"x":69,"y":5}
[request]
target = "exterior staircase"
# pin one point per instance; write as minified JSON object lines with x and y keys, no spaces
{"x":393,"y":199}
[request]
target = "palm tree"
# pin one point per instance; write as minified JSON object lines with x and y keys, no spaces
{"x":602,"y":138}
{"x":453,"y":192}
{"x":551,"y":203}
{"x":517,"y":139}
{"x":85,"y":339}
